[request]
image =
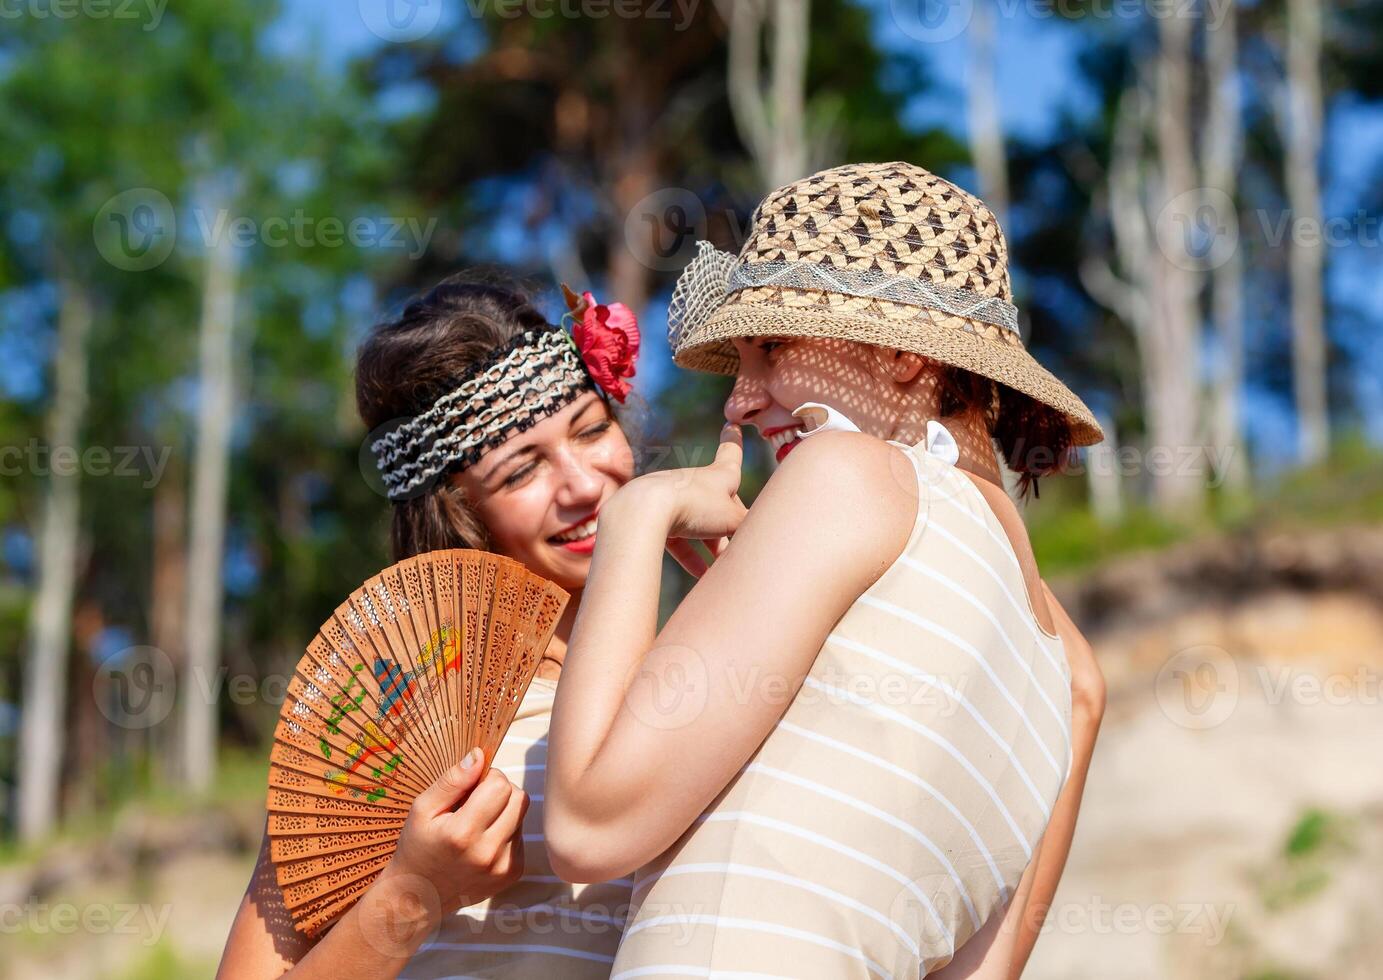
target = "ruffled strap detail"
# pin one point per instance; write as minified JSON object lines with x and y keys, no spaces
{"x":823,"y":418}
{"x":938,"y":442}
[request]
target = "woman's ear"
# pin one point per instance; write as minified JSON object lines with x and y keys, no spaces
{"x":899,"y":366}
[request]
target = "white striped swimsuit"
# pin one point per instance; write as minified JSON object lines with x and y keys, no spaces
{"x":894,"y":807}
{"x":541,"y":927}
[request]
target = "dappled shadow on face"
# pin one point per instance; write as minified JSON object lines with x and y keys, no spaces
{"x":887,"y":393}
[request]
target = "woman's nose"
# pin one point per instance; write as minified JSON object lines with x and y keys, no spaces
{"x":747,"y":399}
{"x":580,"y":481}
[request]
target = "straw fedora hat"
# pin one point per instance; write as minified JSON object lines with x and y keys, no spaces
{"x":881,"y":253}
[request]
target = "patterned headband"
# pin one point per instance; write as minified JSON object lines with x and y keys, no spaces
{"x":511,"y":389}
{"x":508,"y":391}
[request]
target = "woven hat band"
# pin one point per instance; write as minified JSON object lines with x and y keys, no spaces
{"x":870,"y":284}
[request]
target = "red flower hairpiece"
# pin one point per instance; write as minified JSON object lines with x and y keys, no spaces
{"x":607,"y":338}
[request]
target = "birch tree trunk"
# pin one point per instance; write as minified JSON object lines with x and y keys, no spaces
{"x":1173,"y":349}
{"x":1306,"y":259}
{"x":208,"y":517}
{"x":791,"y":22}
{"x":45,"y":675}
{"x":1222,"y":146}
{"x":1103,"y":478}
{"x":986,"y":129}
{"x":772,"y":123}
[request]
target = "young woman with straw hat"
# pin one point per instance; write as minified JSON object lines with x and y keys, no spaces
{"x":857,"y":747}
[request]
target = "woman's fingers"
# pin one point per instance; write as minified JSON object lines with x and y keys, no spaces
{"x":730,"y":452}
{"x":687,"y":556}
{"x":507,"y":825}
{"x":451,"y":786}
{"x":716,"y":546}
{"x":483,"y":807}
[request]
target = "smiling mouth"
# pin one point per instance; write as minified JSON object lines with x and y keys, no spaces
{"x":577,"y":532}
{"x":780,"y":437}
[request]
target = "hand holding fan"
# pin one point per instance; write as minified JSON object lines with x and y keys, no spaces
{"x":422,"y":663}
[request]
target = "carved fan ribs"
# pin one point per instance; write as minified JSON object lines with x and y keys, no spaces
{"x":423,"y":662}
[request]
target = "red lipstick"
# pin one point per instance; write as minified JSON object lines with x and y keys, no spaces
{"x":581,"y":546}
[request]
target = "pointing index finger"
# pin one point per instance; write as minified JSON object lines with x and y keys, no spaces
{"x":731,"y":448}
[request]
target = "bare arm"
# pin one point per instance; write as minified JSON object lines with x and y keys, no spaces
{"x":446,"y":859}
{"x":373,"y":940}
{"x":989,"y":953}
{"x":1087,"y":711}
{"x":646,"y":729}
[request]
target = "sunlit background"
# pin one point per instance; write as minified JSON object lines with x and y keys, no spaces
{"x":204,"y":205}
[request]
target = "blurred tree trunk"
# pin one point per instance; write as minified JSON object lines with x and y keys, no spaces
{"x":1103,"y":477}
{"x":1173,"y":349}
{"x":1222,"y":144}
{"x":986,"y":128}
{"x":168,"y":592}
{"x":95,"y":754}
{"x":1306,"y":258}
{"x":1130,"y":296}
{"x":45,"y":676}
{"x":771,"y":121}
{"x":208,"y":516}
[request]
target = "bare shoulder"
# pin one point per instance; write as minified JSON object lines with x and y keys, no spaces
{"x":852,"y":462}
{"x":845,"y":489}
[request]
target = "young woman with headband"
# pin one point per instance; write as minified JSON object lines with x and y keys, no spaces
{"x":494,"y":430}
{"x":857,"y":747}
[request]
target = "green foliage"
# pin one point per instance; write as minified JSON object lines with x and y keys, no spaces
{"x":1346,"y":489}
{"x":1075,"y":539}
{"x":1314,"y":846}
{"x":165,"y":962}
{"x":1309,"y":834}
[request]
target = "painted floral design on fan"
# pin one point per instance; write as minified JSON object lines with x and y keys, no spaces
{"x":443,"y":649}
{"x":341,"y":704}
{"x":396,"y":687}
{"x":360,"y":751}
{"x":376,"y":746}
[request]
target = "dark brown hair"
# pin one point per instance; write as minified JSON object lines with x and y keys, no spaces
{"x":406,"y":364}
{"x":1035,"y":440}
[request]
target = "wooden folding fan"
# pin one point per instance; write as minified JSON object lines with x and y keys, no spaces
{"x":422,"y":663}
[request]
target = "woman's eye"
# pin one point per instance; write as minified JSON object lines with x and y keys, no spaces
{"x":768,"y":346}
{"x":518,"y":476}
{"x":597,"y":430}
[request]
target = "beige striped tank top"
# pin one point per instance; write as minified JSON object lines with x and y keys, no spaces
{"x":895,"y":805}
{"x":542,"y":926}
